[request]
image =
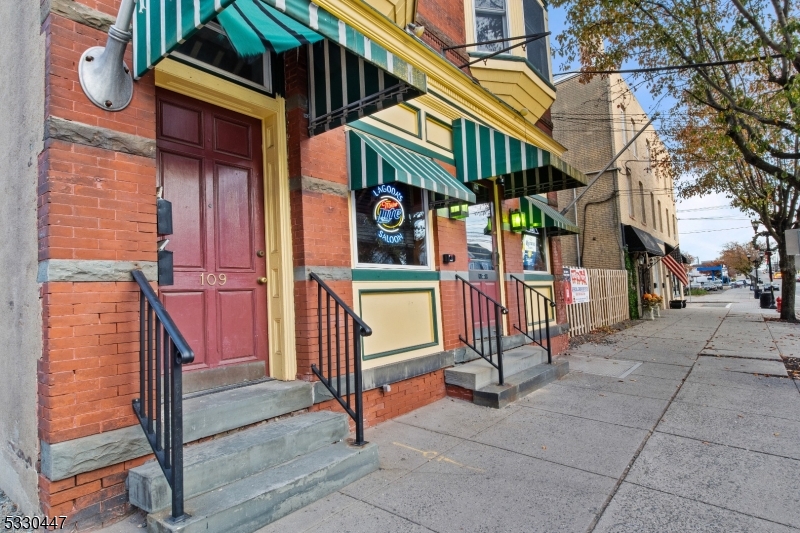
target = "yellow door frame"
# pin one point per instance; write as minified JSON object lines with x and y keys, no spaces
{"x":200,"y":85}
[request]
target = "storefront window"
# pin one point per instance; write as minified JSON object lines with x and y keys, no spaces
{"x":533,"y":255}
{"x":391,"y":227}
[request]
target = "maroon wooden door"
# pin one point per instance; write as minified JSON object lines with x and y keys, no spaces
{"x":209,"y":163}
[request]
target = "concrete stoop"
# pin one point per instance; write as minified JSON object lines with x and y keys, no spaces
{"x":520,"y":384}
{"x":246,"y":480}
{"x":525,"y":370}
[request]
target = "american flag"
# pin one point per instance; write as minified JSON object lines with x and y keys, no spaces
{"x":676,"y":269}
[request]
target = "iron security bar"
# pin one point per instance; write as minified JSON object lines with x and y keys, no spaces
{"x":486,"y":340}
{"x":162,"y":353}
{"x":533,"y":304}
{"x":339,"y":334}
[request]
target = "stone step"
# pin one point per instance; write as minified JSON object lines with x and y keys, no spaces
{"x":518,"y":385}
{"x":221,"y":461}
{"x":204,"y":414}
{"x":253,"y":502}
{"x":478,"y":374}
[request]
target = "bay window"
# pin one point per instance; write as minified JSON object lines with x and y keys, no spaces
{"x":490,"y":24}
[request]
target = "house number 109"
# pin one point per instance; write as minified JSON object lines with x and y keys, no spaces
{"x":211,"y":279}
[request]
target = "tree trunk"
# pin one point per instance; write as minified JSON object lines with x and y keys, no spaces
{"x":788,"y":276}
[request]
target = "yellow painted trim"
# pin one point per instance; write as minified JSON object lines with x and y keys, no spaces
{"x":443,"y":77}
{"x":501,"y":263}
{"x":406,"y":285}
{"x":516,"y":83}
{"x":401,"y":12}
{"x":194,"y":83}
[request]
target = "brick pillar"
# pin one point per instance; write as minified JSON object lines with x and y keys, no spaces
{"x":512,"y":258}
{"x":450,"y":237}
{"x":96,"y":220}
{"x":320,"y":212}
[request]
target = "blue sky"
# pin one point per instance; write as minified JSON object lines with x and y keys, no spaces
{"x":704,"y":223}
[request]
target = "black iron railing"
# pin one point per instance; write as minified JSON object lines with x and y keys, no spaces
{"x":533,"y":315}
{"x":483,"y":318}
{"x":339,"y":334}
{"x":162,"y":353}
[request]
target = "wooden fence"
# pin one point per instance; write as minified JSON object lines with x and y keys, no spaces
{"x":608,"y":302}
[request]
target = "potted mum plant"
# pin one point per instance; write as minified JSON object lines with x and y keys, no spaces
{"x":651,"y":303}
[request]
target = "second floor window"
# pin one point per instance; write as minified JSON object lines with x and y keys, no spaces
{"x":534,"y":23}
{"x":490,"y":24}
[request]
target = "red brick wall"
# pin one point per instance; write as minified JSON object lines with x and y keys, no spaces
{"x":404,"y":397}
{"x":454,"y":391}
{"x":512,"y":258}
{"x":90,"y":499}
{"x":88,"y":373}
{"x":450,"y":237}
{"x":93,"y":204}
{"x":443,"y":17}
{"x":560,"y":344}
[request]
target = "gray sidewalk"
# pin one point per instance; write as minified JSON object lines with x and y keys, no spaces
{"x":672,"y":425}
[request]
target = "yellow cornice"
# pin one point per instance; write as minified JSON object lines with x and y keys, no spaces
{"x":443,"y":77}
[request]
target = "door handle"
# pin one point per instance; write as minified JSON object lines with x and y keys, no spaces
{"x":262,"y":281}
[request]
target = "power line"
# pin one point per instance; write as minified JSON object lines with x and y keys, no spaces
{"x":710,"y":230}
{"x":673,"y":67}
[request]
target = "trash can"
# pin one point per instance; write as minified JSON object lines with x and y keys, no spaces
{"x":766,"y":300}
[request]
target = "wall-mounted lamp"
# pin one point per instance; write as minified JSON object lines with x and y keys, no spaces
{"x":448,"y":258}
{"x":459,"y":211}
{"x":517,"y":220}
{"x":416,"y":29}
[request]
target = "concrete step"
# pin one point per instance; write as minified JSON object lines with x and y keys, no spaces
{"x":520,"y":384}
{"x":217,"y":411}
{"x":478,"y":374}
{"x":218,"y":462}
{"x":205,"y":414}
{"x":253,"y":502}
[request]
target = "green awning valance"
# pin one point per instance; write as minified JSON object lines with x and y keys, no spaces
{"x":482,"y":152}
{"x":538,"y":214}
{"x":372,"y":161}
{"x":255,"y":28}
{"x":350,"y":76}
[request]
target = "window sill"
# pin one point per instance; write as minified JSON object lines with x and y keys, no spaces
{"x":384,"y":274}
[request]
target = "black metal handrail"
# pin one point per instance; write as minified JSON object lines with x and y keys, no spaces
{"x":162,"y":353}
{"x":347,"y":329}
{"x":542,"y":307}
{"x":484,"y":342}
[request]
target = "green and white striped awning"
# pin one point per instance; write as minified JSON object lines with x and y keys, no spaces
{"x":372,"y":161}
{"x":482,"y":152}
{"x":350,"y":76}
{"x":255,"y":28}
{"x":538,"y":214}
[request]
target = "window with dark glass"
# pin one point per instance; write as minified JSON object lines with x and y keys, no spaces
{"x":391,"y":225}
{"x":209,"y":48}
{"x":480,"y":238}
{"x":533,"y":258}
{"x":536,"y":51}
{"x":490,"y":24}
